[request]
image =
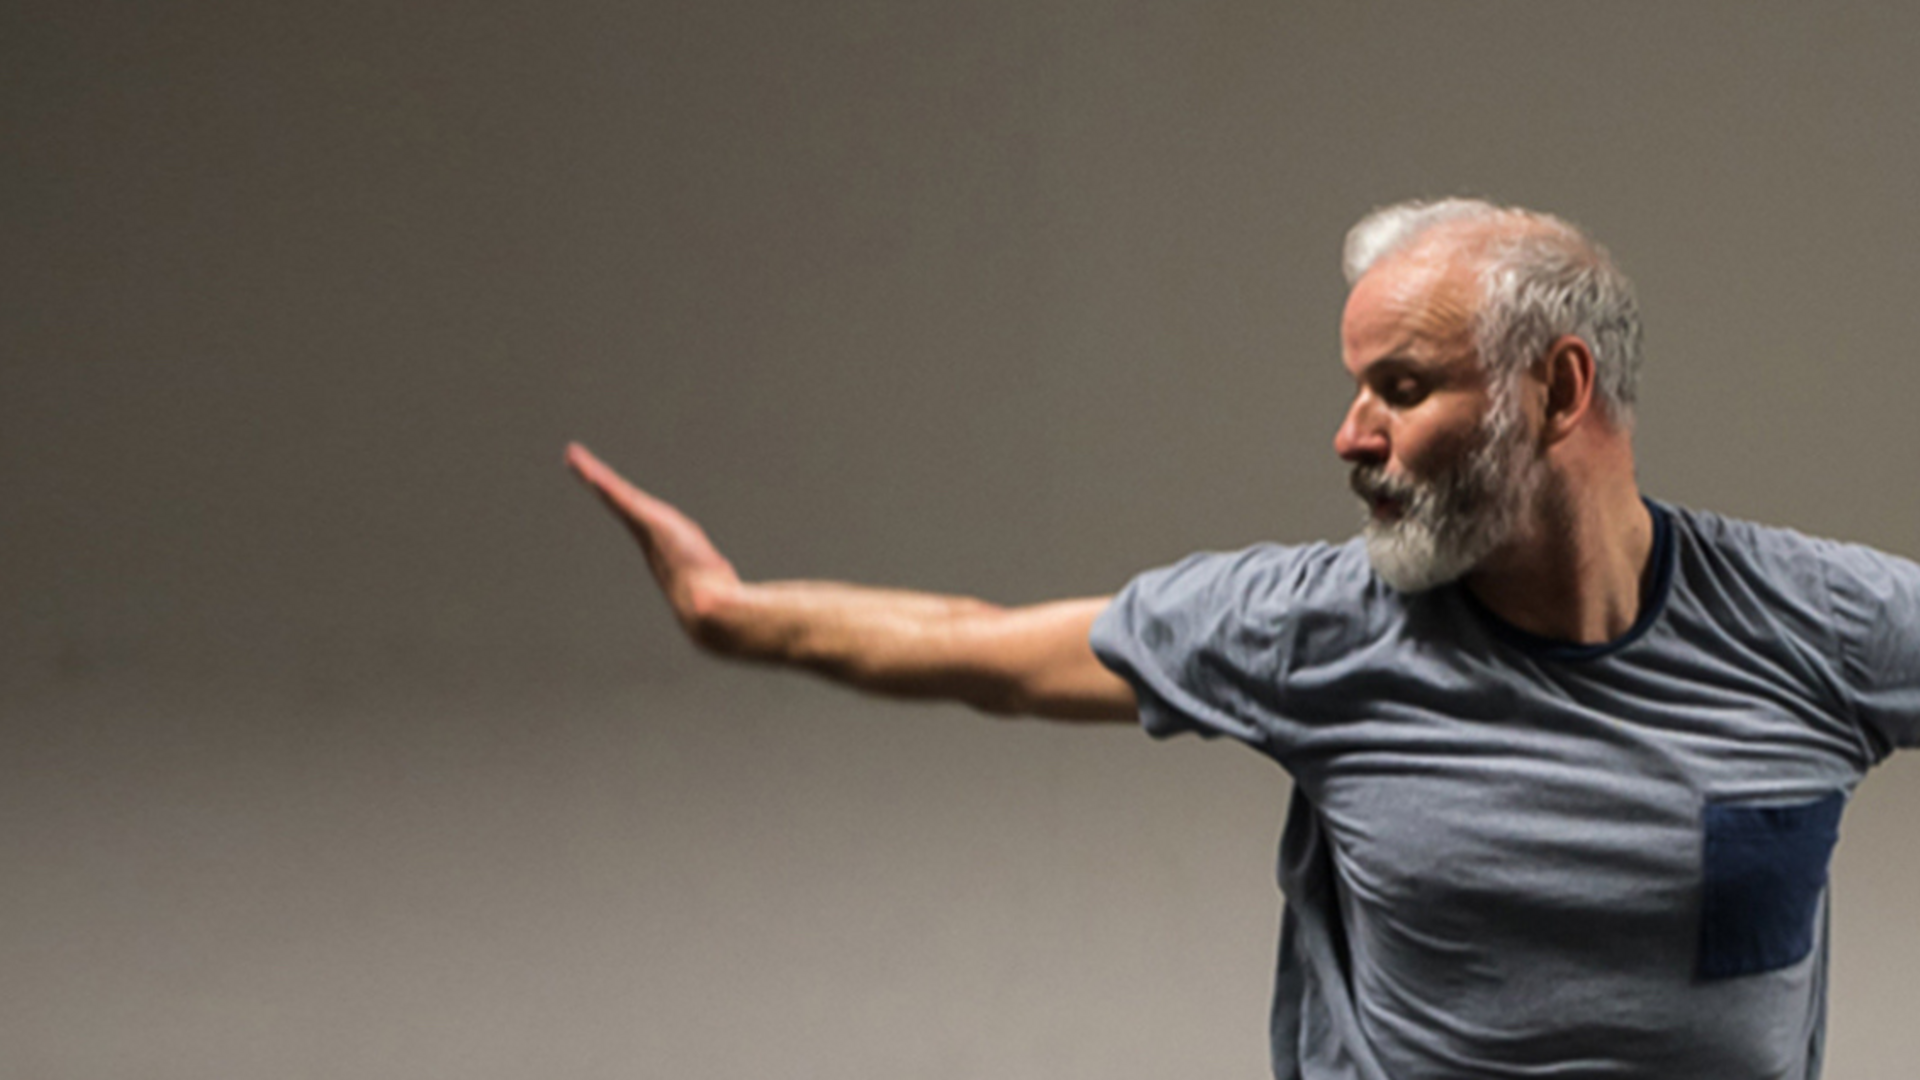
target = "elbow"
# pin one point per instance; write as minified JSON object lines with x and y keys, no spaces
{"x":1006,"y":695}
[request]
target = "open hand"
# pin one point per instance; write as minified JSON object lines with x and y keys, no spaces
{"x":691,"y":572}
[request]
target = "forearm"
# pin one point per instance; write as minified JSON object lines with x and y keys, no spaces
{"x":1026,"y":660}
{"x":827,"y":625}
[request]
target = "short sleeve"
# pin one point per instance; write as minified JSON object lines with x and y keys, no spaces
{"x":1876,"y":606}
{"x":1207,"y":642}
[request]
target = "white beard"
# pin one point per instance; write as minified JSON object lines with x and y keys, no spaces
{"x":1449,"y":523}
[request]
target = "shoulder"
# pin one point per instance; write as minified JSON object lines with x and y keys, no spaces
{"x":1263,"y":576}
{"x":1208,"y":642}
{"x":1780,"y":575}
{"x":1264,"y":600}
{"x":1734,"y":538}
{"x":1785,"y":557}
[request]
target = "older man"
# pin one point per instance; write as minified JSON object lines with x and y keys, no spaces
{"x":1569,"y":764}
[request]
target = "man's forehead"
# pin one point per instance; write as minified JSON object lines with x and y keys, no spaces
{"x":1421,"y":294}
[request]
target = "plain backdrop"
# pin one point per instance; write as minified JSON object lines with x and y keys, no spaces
{"x":340,"y":732}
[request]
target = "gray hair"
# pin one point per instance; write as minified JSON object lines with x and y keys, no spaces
{"x":1540,"y":278}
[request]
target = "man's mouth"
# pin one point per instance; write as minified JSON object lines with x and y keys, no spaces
{"x":1377,"y":492}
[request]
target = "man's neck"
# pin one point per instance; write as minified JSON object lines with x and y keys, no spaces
{"x":1576,"y":571}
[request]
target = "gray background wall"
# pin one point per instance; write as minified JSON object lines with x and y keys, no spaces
{"x":342,"y":736}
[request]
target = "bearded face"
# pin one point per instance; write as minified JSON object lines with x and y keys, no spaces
{"x":1450,"y":521}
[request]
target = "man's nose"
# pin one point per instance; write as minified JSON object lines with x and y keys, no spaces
{"x":1361,"y":438}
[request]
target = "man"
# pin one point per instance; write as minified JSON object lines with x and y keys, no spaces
{"x":1569,"y":764}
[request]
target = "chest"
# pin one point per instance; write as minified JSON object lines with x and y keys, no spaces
{"x":1557,"y":813}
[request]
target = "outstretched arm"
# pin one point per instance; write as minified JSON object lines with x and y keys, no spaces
{"x":1031,"y":660}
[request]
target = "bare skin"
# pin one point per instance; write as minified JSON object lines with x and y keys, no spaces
{"x":1018,"y":661}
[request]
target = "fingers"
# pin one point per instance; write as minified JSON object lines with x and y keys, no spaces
{"x":623,"y":496}
{"x":638,"y":507}
{"x":674,"y":544}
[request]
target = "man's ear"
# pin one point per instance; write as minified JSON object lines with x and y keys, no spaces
{"x":1567,"y":369}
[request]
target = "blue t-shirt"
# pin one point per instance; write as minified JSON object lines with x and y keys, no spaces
{"x":1509,"y":856}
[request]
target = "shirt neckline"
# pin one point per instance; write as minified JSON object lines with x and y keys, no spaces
{"x":1653,"y":600}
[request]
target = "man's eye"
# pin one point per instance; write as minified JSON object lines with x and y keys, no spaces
{"x":1403,"y":392}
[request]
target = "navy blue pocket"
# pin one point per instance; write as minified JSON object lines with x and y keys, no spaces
{"x":1765,"y":869}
